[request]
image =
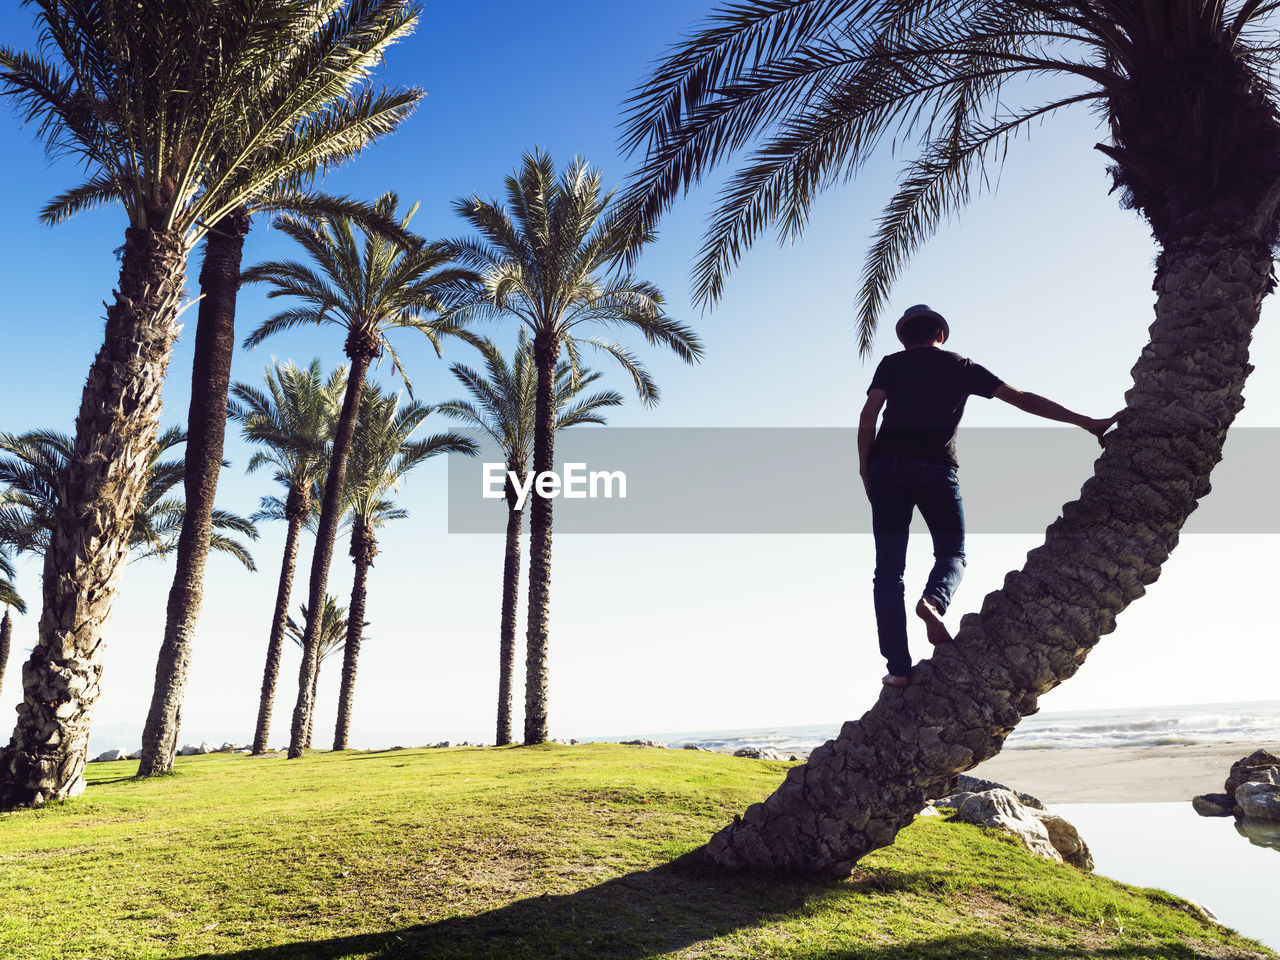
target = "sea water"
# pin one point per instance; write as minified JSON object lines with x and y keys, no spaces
{"x":1256,"y":722}
{"x":1205,"y":859}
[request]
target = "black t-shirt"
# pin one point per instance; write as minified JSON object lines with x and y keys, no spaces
{"x":926,"y":389}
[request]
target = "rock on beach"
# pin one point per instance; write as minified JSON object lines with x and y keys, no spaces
{"x":1252,"y":790}
{"x":1043,"y":833}
{"x":1259,"y":800}
{"x":1261,"y":766}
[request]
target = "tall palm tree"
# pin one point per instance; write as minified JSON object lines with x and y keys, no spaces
{"x":368,"y":288}
{"x":548,"y":257}
{"x":331,"y":634}
{"x":292,"y":421}
{"x":147,"y":92}
{"x":382,"y":453}
{"x":817,"y":85}
{"x":502,"y":406}
{"x":33,"y":466}
{"x":340,"y":116}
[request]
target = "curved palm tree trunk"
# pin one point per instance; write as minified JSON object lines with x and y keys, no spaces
{"x":296,"y":511}
{"x":510,"y":597}
{"x":6,"y":640}
{"x":115,"y":431}
{"x":206,"y":429}
{"x":364,"y":547}
{"x":361,"y":351}
{"x":857,"y":791}
{"x":546,"y":350}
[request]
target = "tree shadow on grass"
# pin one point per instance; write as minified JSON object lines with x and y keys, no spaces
{"x":666,"y":909}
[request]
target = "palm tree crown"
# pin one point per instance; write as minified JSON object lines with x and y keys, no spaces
{"x":817,"y":86}
{"x":501,"y":404}
{"x":291,"y":421}
{"x":548,"y":257}
{"x":368,"y":285}
{"x":33,"y":469}
{"x":201,"y":109}
{"x":9,"y":596}
{"x":384,"y":450}
{"x":333,"y":627}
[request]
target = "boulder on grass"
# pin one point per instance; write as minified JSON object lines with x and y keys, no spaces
{"x":190,"y":750}
{"x":760,"y":753}
{"x":1000,"y":810}
{"x":967,"y":784}
{"x":110,"y":755}
{"x":1066,"y":840}
{"x":1043,"y":833}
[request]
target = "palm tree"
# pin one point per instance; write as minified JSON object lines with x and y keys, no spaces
{"x":1194,"y":138}
{"x":368,"y":289}
{"x":293,"y":422}
{"x":502,"y":405}
{"x":33,"y":467}
{"x":382,"y":453}
{"x":331,"y":634}
{"x":548,"y":259}
{"x":10,"y":598}
{"x":147,"y":93}
{"x":336,"y":125}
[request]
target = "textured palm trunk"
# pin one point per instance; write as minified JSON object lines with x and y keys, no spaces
{"x":361,"y":349}
{"x":546,"y":350}
{"x":206,"y":429}
{"x":6,"y":641}
{"x":315,"y":687}
{"x":510,"y":597}
{"x":364,"y":547}
{"x":104,"y":479}
{"x":857,"y":791}
{"x":296,"y":509}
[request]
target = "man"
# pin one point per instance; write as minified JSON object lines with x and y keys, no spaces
{"x":911,"y":463}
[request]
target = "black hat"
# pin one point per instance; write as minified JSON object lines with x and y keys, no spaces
{"x":923,"y":310}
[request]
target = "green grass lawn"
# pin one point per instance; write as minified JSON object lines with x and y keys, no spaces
{"x":540,"y":853}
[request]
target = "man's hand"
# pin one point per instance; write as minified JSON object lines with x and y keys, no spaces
{"x":1099,"y":427}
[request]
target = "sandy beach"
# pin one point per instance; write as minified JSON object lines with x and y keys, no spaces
{"x":1118,"y":774}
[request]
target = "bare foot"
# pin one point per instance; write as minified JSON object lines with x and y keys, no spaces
{"x":934,"y":628}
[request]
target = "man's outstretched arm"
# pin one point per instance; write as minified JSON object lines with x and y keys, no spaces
{"x":1043,"y":407}
{"x":867,"y":428}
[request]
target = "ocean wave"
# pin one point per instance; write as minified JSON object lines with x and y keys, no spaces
{"x":1253,"y":723}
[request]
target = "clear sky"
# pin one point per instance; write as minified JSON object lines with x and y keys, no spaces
{"x":1046,"y":281}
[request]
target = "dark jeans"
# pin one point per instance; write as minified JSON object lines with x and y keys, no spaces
{"x":897,"y":486}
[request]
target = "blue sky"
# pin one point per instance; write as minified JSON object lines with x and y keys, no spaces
{"x":1046,"y":282}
